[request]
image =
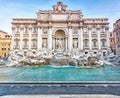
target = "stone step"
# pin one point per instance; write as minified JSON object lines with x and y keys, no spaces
{"x":61,"y":96}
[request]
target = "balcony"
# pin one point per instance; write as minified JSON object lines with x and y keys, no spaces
{"x":104,"y":48}
{"x":95,"y":47}
{"x":16,"y":47}
{"x":85,"y":36}
{"x":25,"y":47}
{"x":103,"y":36}
{"x":86,"y":47}
{"x":34,"y":47}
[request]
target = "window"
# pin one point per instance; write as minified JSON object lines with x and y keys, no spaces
{"x":85,"y":30}
{"x":16,"y":42}
{"x":118,"y":39}
{"x":111,"y":40}
{"x":117,"y":26}
{"x":34,"y":44}
{"x":35,"y":30}
{"x":103,"y":43}
{"x":94,"y":43}
{"x":110,"y":35}
{"x":25,"y":43}
{"x":26,"y":30}
{"x":118,"y":46}
{"x":102,"y":30}
{"x":85,"y":43}
{"x":104,"y":53}
{"x":17,"y":30}
{"x":117,"y":33}
{"x":3,"y":48}
{"x":93,"y":29}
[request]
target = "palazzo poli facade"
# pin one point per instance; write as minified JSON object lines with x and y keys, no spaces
{"x":60,"y":29}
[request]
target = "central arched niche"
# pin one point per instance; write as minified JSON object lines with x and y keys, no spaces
{"x":60,"y":40}
{"x":59,"y":34}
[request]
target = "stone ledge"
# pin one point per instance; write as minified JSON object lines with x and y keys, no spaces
{"x":61,"y":96}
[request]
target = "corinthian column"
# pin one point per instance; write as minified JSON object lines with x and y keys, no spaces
{"x":13,"y":37}
{"x":81,"y":38}
{"x":90,"y":39}
{"x":50,"y":39}
{"x":39,"y":39}
{"x":70,"y":40}
{"x":99,"y":43}
{"x":21,"y":39}
{"x":30,"y":38}
{"x":108,"y":36}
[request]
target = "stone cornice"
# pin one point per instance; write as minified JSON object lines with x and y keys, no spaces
{"x":53,"y":12}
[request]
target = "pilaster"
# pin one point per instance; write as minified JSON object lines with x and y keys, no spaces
{"x":30,"y":38}
{"x":39,"y":38}
{"x":99,"y":42}
{"x":108,"y":36}
{"x":90,"y":39}
{"x":21,"y":38}
{"x":70,"y":40}
{"x":50,"y":38}
{"x":80,"y":38}
{"x":12,"y":41}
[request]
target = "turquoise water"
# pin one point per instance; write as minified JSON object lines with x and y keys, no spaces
{"x":60,"y":74}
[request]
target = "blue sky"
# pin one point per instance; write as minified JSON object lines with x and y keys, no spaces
{"x":28,"y":8}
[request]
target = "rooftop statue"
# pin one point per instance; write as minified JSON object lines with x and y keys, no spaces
{"x":60,"y":7}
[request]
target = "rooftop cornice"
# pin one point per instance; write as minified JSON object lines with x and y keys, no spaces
{"x":1,"y":31}
{"x":52,"y":11}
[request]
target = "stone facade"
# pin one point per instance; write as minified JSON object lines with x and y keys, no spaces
{"x":5,"y":42}
{"x":61,"y":29}
{"x":116,"y":33}
{"x":112,"y":42}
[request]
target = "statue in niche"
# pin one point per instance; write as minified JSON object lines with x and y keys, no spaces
{"x":75,"y":44}
{"x":44,"y":44}
{"x":59,"y":44}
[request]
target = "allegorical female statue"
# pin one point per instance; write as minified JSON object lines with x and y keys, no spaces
{"x":75,"y":44}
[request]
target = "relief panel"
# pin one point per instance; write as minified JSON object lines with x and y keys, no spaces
{"x":60,"y":17}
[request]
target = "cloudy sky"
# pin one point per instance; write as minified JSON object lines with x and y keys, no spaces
{"x":27,"y":9}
